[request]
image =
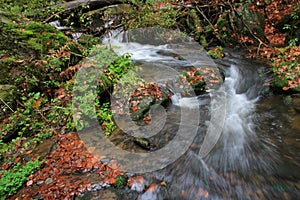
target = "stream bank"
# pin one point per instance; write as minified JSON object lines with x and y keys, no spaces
{"x":43,"y":78}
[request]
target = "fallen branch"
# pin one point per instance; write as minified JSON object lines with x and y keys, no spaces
{"x":90,"y":4}
{"x":93,"y":4}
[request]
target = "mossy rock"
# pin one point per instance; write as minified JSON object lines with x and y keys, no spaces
{"x":143,"y":98}
{"x":193,"y":82}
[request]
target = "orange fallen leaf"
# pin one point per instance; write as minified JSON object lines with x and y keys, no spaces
{"x":183,"y":193}
{"x":5,"y":166}
{"x":114,"y":164}
{"x":89,"y":165}
{"x":28,"y":152}
{"x":163,"y":183}
{"x":37,"y":103}
{"x":111,"y":181}
{"x":17,"y":159}
{"x":285,"y":88}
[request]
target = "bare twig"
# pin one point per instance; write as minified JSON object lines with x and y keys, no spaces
{"x":204,"y":16}
{"x":6,"y":105}
{"x":249,"y":29}
{"x":54,"y":15}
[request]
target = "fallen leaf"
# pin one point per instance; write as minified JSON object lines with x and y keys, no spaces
{"x":29,"y":183}
{"x":5,"y":166}
{"x":28,"y":152}
{"x":37,"y":103}
{"x":17,"y":159}
{"x":285,"y":88}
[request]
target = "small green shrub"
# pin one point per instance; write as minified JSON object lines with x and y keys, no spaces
{"x":216,"y":53}
{"x":120,"y":181}
{"x":286,"y":68}
{"x":105,"y":117}
{"x":12,"y":180}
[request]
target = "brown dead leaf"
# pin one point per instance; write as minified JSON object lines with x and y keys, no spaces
{"x":17,"y":160}
{"x":5,"y":166}
{"x":28,"y":152}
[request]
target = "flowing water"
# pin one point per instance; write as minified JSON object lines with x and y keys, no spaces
{"x":257,"y":154}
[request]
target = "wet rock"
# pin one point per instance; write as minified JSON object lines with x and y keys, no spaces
{"x":152,"y":193}
{"x":136,"y":183}
{"x":143,"y":98}
{"x":146,"y":36}
{"x":287,"y":100}
{"x":105,"y":160}
{"x":170,"y":54}
{"x":101,"y":194}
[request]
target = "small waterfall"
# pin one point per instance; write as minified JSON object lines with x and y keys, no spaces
{"x":234,"y":155}
{"x":57,"y":25}
{"x":238,"y":127}
{"x":190,"y":102}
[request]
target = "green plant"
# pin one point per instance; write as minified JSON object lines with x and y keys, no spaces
{"x":286,"y":68}
{"x":120,"y":181}
{"x":34,"y":9}
{"x":3,"y":148}
{"x":26,"y":120}
{"x":12,"y":180}
{"x":105,"y":117}
{"x":119,"y":67}
{"x":216,"y":53}
{"x":145,"y":15}
{"x":103,"y":79}
{"x":292,"y":29}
